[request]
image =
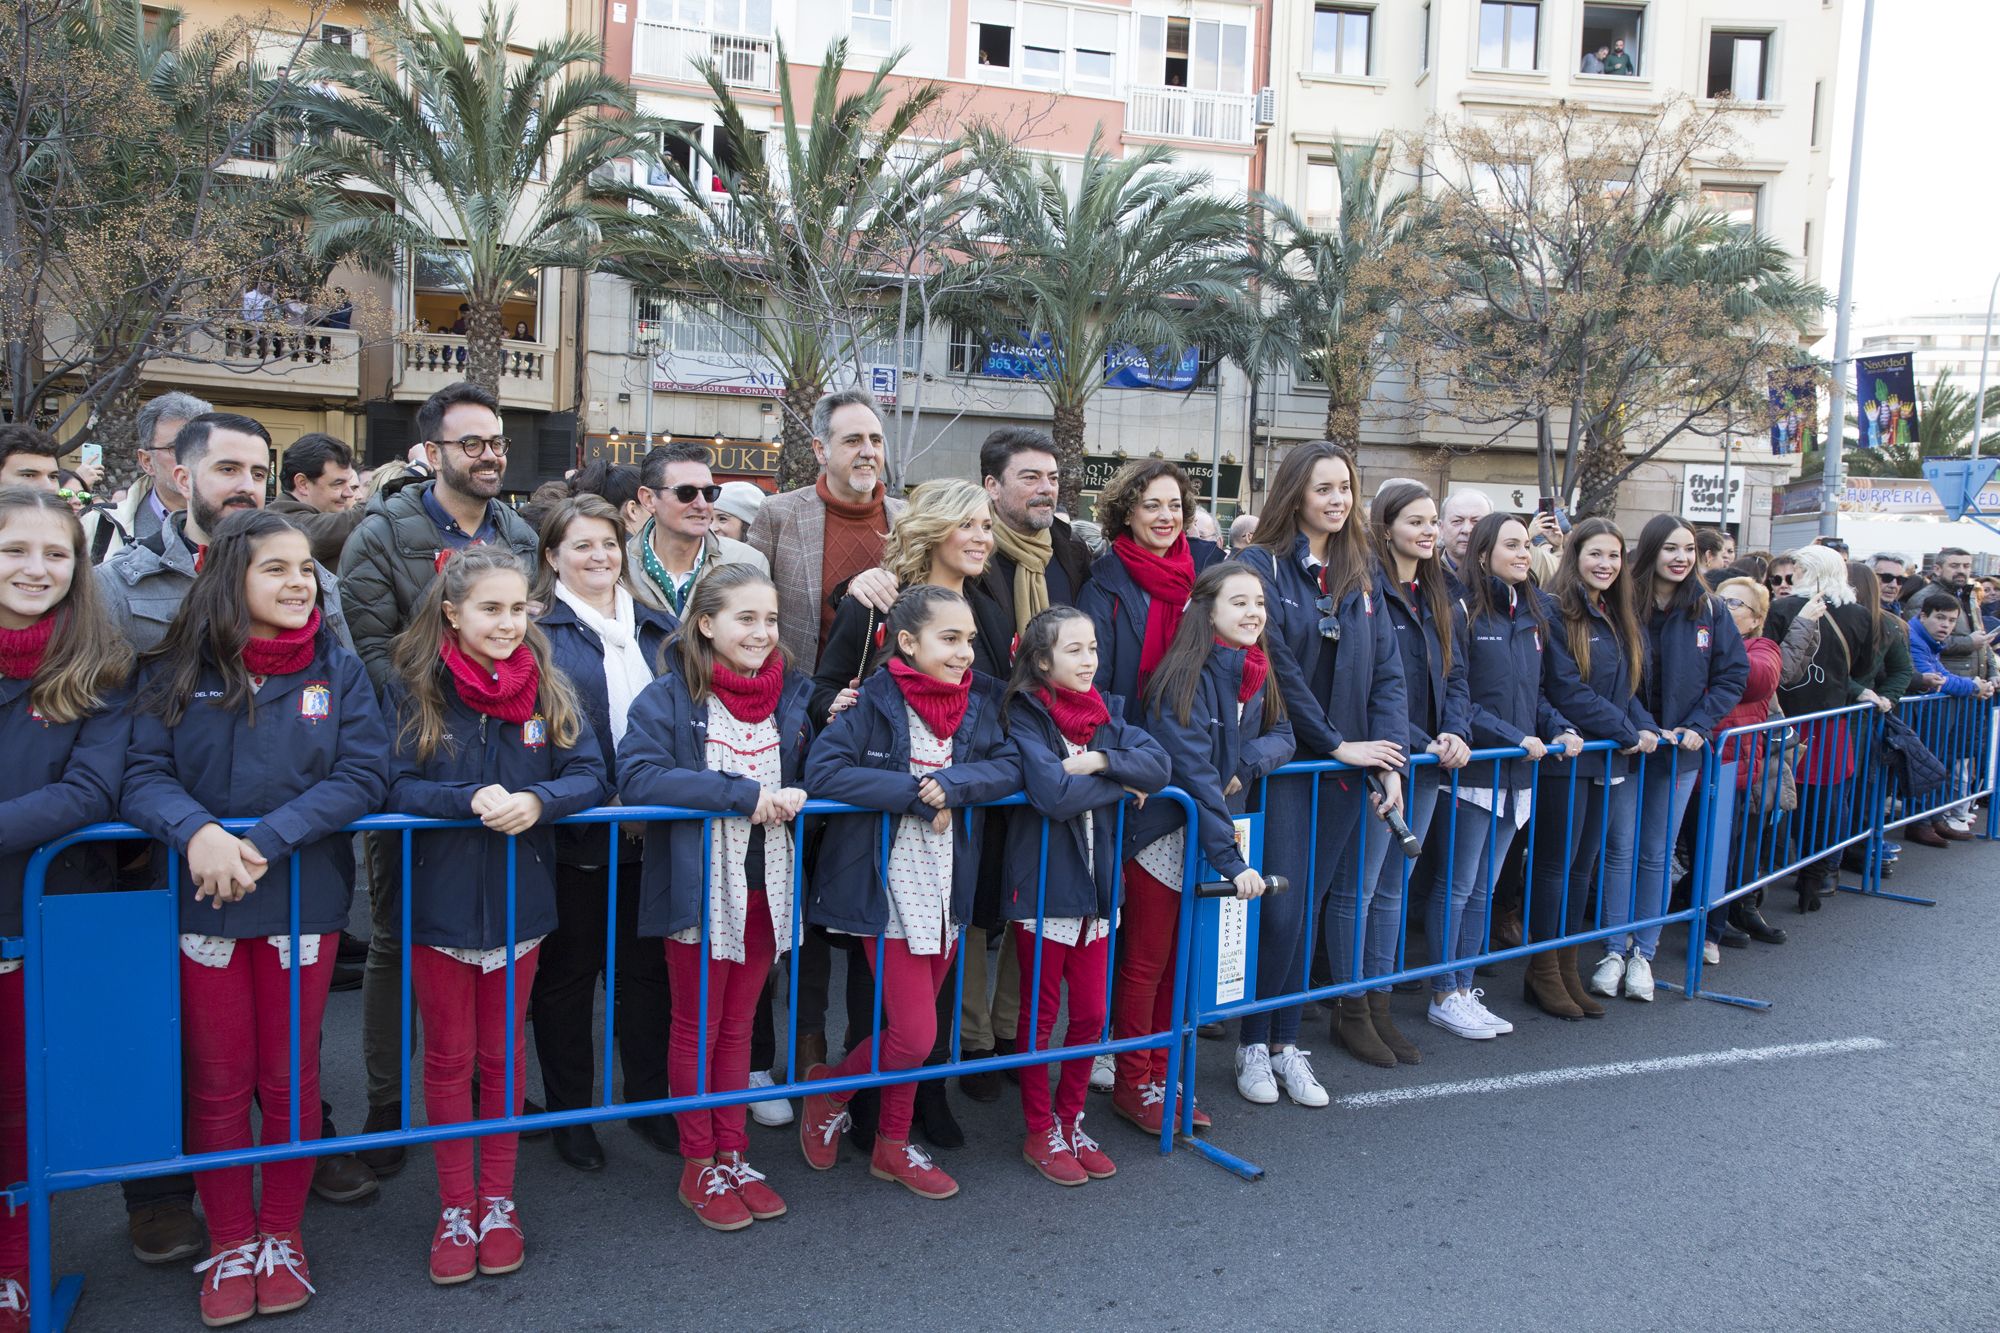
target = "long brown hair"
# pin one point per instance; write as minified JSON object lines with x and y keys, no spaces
{"x":86,"y":659}
{"x":554,"y":530}
{"x":1035,"y":652}
{"x":1389,"y":504}
{"x":695,"y":651}
{"x":416,"y":656}
{"x":1573,"y":597}
{"x":1178,"y":676}
{"x":1478,"y":576}
{"x":1350,"y":562}
{"x":213,"y":622}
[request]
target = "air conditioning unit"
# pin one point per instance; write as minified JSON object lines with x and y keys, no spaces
{"x":1267,"y":106}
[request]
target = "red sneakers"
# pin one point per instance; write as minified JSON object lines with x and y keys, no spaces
{"x":14,"y":1302}
{"x":821,"y":1122}
{"x":708,"y":1191}
{"x":1089,"y":1156}
{"x":911,"y":1167}
{"x":284,"y":1283}
{"x":229,"y":1291}
{"x":454,"y":1248}
{"x":1048,"y":1152}
{"x":502,"y":1247}
{"x":1143,"y":1104}
{"x":748,"y":1182}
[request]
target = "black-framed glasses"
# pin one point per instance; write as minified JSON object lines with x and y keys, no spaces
{"x":686,"y":494}
{"x":1329,"y":621}
{"x":1889,"y":578}
{"x":472,"y":446}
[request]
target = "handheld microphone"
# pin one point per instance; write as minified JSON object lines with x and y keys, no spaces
{"x":1394,"y":819}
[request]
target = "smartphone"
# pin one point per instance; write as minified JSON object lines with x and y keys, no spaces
{"x":92,"y":455}
{"x":1546,"y":505}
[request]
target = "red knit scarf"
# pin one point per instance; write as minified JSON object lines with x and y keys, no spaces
{"x":284,"y":653}
{"x":1167,"y":579}
{"x":1256,"y":666}
{"x":509,"y":696}
{"x":750,"y":698}
{"x":941,"y":706}
{"x":21,"y":650}
{"x":1078,"y":714}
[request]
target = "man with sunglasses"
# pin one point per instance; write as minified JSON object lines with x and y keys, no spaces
{"x":679,"y":541}
{"x":1892,"y":573}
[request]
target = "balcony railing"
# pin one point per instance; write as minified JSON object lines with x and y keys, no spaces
{"x":444,"y":354}
{"x":667,"y":52}
{"x":1185,"y":113}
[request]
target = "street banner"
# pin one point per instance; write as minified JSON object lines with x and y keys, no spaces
{"x":1886,"y":389}
{"x":1126,"y":367}
{"x":1794,"y":403}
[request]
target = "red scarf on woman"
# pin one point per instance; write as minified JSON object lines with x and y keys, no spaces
{"x":750,"y":698}
{"x":1078,"y":713}
{"x":282,"y":654}
{"x":509,"y":696}
{"x":941,"y":706}
{"x":1256,"y":666}
{"x":21,"y":650}
{"x":1167,"y":579}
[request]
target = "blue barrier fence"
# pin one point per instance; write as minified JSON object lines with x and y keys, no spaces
{"x":83,"y":1039}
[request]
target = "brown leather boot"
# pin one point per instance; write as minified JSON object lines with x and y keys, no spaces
{"x":812,"y":1051}
{"x":1399,"y":1045}
{"x":1572,"y":981}
{"x":1355,"y":1032}
{"x":1543,"y":987}
{"x":1507,"y":929}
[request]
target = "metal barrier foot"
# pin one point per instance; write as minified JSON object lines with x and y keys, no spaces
{"x":62,"y":1304}
{"x":1222,"y":1157}
{"x":1883,"y":893}
{"x":1703,"y":993}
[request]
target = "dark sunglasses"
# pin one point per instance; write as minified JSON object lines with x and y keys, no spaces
{"x":67,"y":494}
{"x":472,"y":446}
{"x":1781,"y":580}
{"x":686,"y":494}
{"x":1329,"y":622}
{"x":1890,"y":578}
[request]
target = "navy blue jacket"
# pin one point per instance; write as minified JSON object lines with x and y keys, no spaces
{"x":1420,"y":638}
{"x":1368,"y":701}
{"x":1116,"y":603}
{"x":315,"y":759}
{"x":1075,"y":888}
{"x":1504,"y":672}
{"x":1605,"y":705}
{"x":863,"y":758}
{"x":664,"y":761}
{"x":458,"y":894}
{"x":1704,"y":670}
{"x":57,"y":778}
{"x":578,"y":651}
{"x":1206,"y":751}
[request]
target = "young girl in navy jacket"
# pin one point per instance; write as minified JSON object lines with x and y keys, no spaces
{"x":250,"y":708}
{"x":486,"y":729}
{"x":1079,"y":758}
{"x":923,"y":741}
{"x":724,"y":727}
{"x":65,"y":732}
{"x":1216,"y":713}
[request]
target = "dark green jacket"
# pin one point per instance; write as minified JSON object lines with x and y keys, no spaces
{"x":1617,"y":63}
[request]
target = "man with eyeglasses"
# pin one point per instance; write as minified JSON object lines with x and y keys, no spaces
{"x":153,"y":497}
{"x":679,"y":541}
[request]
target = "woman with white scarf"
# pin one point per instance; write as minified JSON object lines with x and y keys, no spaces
{"x":608,"y":643}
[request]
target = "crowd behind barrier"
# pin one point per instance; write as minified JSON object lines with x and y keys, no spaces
{"x":1742,"y":839}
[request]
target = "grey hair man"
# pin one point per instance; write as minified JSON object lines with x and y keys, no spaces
{"x":1460,"y":513}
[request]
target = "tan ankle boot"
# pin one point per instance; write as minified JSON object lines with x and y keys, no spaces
{"x":1543,"y":987}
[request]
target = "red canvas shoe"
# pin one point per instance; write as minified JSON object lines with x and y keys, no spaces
{"x":707,"y":1190}
{"x":1095,"y":1163}
{"x":454,"y":1248}
{"x":1144,"y":1104}
{"x":284,"y":1283}
{"x":911,"y":1167}
{"x":1048,"y":1152}
{"x":502,"y":1247}
{"x":822,"y":1120}
{"x":229,"y":1284}
{"x":748,"y":1182}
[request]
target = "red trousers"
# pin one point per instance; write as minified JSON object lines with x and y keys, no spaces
{"x":910,"y":984}
{"x":465,"y":1018}
{"x":1144,"y":1002}
{"x":1082,"y":966}
{"x":733,"y":989}
{"x":14,"y":1120}
{"x":238,"y":1024}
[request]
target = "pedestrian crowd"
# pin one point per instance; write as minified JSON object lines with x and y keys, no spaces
{"x":641,"y":634}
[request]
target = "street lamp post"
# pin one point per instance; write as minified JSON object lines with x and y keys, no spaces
{"x":1829,"y":506}
{"x":1986,"y":342}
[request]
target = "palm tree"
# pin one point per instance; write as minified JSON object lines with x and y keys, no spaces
{"x":487,"y":155}
{"x":1945,"y":417}
{"x":1140,"y":256}
{"x":799,"y":245}
{"x":1325,"y":313}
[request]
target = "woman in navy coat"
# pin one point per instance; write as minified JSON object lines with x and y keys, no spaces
{"x":1137,"y":590}
{"x":1338,"y":665}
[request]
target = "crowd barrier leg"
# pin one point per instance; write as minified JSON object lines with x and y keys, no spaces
{"x":1178,"y":1122}
{"x":1875,"y":782}
{"x":1713,"y":821}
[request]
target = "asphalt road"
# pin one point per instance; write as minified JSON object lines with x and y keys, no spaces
{"x":1843,"y":1187}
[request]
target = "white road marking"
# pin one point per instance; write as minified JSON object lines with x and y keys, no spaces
{"x":1618,"y":1069}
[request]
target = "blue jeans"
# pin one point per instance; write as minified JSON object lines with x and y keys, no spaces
{"x":1573,"y":838}
{"x":1662,"y":803}
{"x":1281,"y":917}
{"x":1455,"y":919}
{"x":1377,"y":896}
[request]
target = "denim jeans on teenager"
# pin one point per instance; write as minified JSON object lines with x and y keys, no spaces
{"x":1581,"y":833}
{"x":1663,"y":801}
{"x":1455,"y":918}
{"x":1379,"y":895}
{"x":1281,"y":917}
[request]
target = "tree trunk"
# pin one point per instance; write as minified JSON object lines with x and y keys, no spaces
{"x":483,"y":332}
{"x":115,"y":425}
{"x":1068,"y":434}
{"x":797,"y":466}
{"x":1343,"y":420}
{"x":1597,"y":476}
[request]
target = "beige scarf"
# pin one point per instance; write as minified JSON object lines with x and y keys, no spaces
{"x":1030,"y":552}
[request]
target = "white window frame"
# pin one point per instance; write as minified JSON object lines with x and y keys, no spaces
{"x":1541,"y":47}
{"x":1342,"y":10}
{"x":1067,"y":75}
{"x":1768,"y":66}
{"x":1643,"y":69}
{"x":1157,"y":78}
{"x":863,"y":16}
{"x":1751,"y":188}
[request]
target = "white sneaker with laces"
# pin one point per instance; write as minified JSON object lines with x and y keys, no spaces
{"x":1492,"y":1020}
{"x":1610,"y":971}
{"x":1295,"y":1071}
{"x":1451,"y":1014}
{"x":773,"y":1112}
{"x":1638,"y":978}
{"x":1711,"y":953}
{"x":1104,"y":1073}
{"x":1253,"y":1074}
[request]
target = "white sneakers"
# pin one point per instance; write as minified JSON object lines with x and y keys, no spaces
{"x":1253,"y":1074}
{"x":1104,"y":1073}
{"x":1458,"y":1014}
{"x":1711,"y":953}
{"x":1635,"y":972}
{"x":772,"y":1113}
{"x":1638,"y":978}
{"x":1499,"y":1025}
{"x":1610,"y":971}
{"x":1296,"y":1072}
